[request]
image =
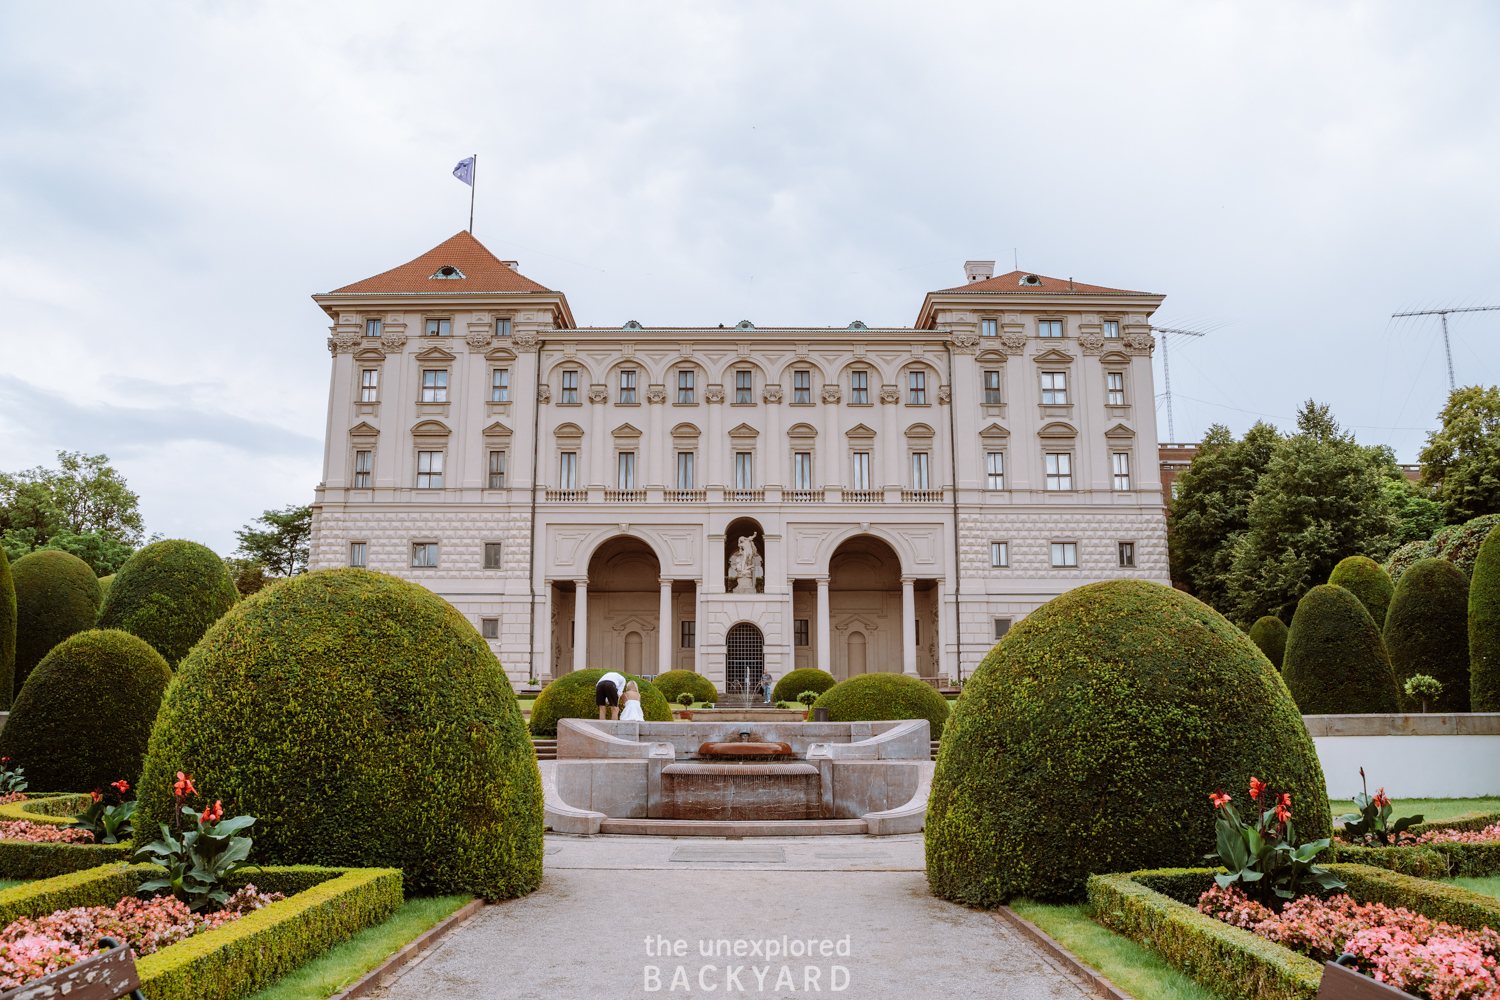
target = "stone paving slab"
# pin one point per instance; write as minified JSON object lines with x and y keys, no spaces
{"x":812,"y":854}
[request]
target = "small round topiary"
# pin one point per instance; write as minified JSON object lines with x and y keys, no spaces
{"x":7,"y":630}
{"x":880,"y":697}
{"x":1335,"y":663}
{"x":675,"y":683}
{"x":1367,"y":580}
{"x":104,"y":582}
{"x":84,"y":715}
{"x":364,"y":721}
{"x":1269,"y":633}
{"x":169,"y":593}
{"x":1427,"y":632}
{"x":806,"y":679}
{"x":1091,"y":738}
{"x":571,"y":696}
{"x":1484,"y":627}
{"x":56,"y":595}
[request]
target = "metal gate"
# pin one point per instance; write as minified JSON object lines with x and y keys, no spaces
{"x":745,"y":660}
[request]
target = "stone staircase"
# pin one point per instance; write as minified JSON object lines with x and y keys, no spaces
{"x":547,"y":749}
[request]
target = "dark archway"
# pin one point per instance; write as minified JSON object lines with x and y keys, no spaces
{"x":745,"y":658}
{"x":864,"y":607}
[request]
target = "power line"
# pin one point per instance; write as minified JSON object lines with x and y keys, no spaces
{"x":1432,"y":312}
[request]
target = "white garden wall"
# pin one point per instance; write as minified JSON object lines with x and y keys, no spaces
{"x":1410,"y":756}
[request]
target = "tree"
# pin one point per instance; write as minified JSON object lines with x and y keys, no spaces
{"x":105,"y":554}
{"x":282,"y":546}
{"x":1420,"y":515}
{"x":85,"y":496}
{"x":1320,"y":500}
{"x":249,"y":575}
{"x":1462,"y":458}
{"x":1212,"y":509}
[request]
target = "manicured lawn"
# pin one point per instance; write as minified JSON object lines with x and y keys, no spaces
{"x":340,"y":966}
{"x":1135,"y":970}
{"x":6,"y":883}
{"x":1489,"y":885}
{"x":1429,"y":809}
{"x":526,"y":703}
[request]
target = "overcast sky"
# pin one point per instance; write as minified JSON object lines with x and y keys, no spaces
{"x":177,"y":179}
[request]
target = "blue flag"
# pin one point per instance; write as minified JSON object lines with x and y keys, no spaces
{"x":465,"y":170}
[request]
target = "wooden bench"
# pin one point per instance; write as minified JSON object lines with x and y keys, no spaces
{"x":1340,"y":983}
{"x":108,"y":975}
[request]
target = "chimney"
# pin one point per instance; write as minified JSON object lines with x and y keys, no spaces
{"x":514,"y":265}
{"x":979,"y":270}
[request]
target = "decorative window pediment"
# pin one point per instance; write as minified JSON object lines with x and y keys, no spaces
{"x":626,"y":431}
{"x":992,"y":357}
{"x":860,"y":432}
{"x":1119,"y":432}
{"x":497,"y":430}
{"x":1115,"y":358}
{"x":994,"y":431}
{"x":501,"y":354}
{"x":435,"y":353}
{"x":802,"y":431}
{"x":744,"y":431}
{"x":369,"y":355}
{"x":568,"y":430}
{"x":685,"y":430}
{"x":431,"y":428}
{"x":919,"y":431}
{"x":1052,"y":356}
{"x":1058,"y":429}
{"x":363,"y":429}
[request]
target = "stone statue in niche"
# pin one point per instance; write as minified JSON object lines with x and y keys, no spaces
{"x":745,"y":566}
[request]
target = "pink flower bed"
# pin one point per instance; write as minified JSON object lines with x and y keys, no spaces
{"x":10,"y":797}
{"x":43,"y":833}
{"x":1406,"y":950}
{"x":1489,"y":833}
{"x":32,"y":948}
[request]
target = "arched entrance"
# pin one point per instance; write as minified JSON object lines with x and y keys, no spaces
{"x":864,"y":607}
{"x":617,"y":619}
{"x":743,"y":527}
{"x":745,"y":658}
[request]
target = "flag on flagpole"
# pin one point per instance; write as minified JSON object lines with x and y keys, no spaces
{"x":465,"y":170}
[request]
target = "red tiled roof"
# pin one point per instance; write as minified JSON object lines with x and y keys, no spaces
{"x":1050,"y":286}
{"x":482,"y":272}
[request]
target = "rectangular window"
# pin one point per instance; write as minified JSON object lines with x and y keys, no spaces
{"x":1120,"y":463}
{"x":1127,"y":555}
{"x":435,"y":386}
{"x":684,"y":387}
{"x":861,"y":470}
{"x":744,"y":470}
{"x":372,"y":328}
{"x":859,"y":388}
{"x":800,"y":632}
{"x":917,"y":383}
{"x":802,"y":475}
{"x":1049,"y":328}
{"x":988,"y":328}
{"x":1112,"y":328}
{"x":1115,"y":382}
{"x":1064,"y":555}
{"x":919,"y":470}
{"x":999,"y":554}
{"x":439,"y":327}
{"x":994,"y":470}
{"x":742,"y":388}
{"x":1002,"y":626}
{"x":684,"y":470}
{"x":1059,"y":471}
{"x":429,"y":470}
{"x":492,"y":555}
{"x":627,"y":385}
{"x":1054,"y":388}
{"x":567,"y":470}
{"x":569,"y":388}
{"x":801,"y":387}
{"x":689,"y":635}
{"x":497,"y":470}
{"x":500,"y":385}
{"x":489,"y":628}
{"x":357,"y":554}
{"x":369,"y":385}
{"x":362,"y":470}
{"x":625,"y":479}
{"x":424,"y":555}
{"x":992,"y":387}
{"x":502,"y":326}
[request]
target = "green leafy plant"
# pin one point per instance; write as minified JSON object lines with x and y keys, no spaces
{"x":1372,"y":826}
{"x":807,"y":698}
{"x":1264,"y":855}
{"x":685,"y":699}
{"x":200,"y":861}
{"x":1425,"y":687}
{"x":10,"y":778}
{"x":786,"y":704}
{"x":110,"y":824}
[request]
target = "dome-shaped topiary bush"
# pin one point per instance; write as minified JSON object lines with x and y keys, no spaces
{"x":1367,"y":580}
{"x":1335,"y":662}
{"x":806,"y":679}
{"x":571,"y":696}
{"x":84,"y":715}
{"x":7,"y":630}
{"x":365,"y":722}
{"x":104,"y":583}
{"x":56,"y":595}
{"x":675,"y":682}
{"x":1090,"y":739}
{"x":1484,"y":628}
{"x":1269,"y":634}
{"x":169,"y":593}
{"x":1427,"y":632}
{"x":878,"y":697}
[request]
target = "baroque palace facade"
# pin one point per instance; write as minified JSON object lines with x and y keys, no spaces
{"x":733,"y":500}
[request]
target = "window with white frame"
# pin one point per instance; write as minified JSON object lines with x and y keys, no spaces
{"x":999,"y":554}
{"x":1127,"y":555}
{"x":917,"y":387}
{"x":684,"y":470}
{"x":1120,"y":465}
{"x":743,"y":388}
{"x":1059,"y":471}
{"x":994,"y":470}
{"x":861,"y":471}
{"x":369,"y":385}
{"x":684,"y":385}
{"x":992,"y":387}
{"x":859,"y":388}
{"x":439,"y":327}
{"x":1049,"y":328}
{"x":1112,"y":328}
{"x":625,"y":476}
{"x":802,"y":474}
{"x":1002,"y":626}
{"x":492,"y":556}
{"x":919,"y":468}
{"x":357,"y":554}
{"x":989,"y":328}
{"x":502,"y":326}
{"x":489,"y":628}
{"x":1054,"y":388}
{"x":567,"y":470}
{"x":424,"y":555}
{"x":372,"y":327}
{"x":801,"y":387}
{"x":627,"y":385}
{"x":744,"y":470}
{"x":1114,"y":383}
{"x":362,"y":470}
{"x":435,"y":385}
{"x":429,"y":470}
{"x":1064,"y":555}
{"x":569,"y":388}
{"x":497,"y":470}
{"x":500,"y":385}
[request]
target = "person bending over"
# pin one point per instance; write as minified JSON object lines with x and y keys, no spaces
{"x":607,"y":692}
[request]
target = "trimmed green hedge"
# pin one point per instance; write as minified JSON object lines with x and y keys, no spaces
{"x":884,"y":697}
{"x":363,"y":720}
{"x":1367,"y":580}
{"x":169,"y":593}
{"x":1335,"y":662}
{"x":1427,"y":632}
{"x":1091,"y":737}
{"x":104,"y":584}
{"x":571,"y":696}
{"x":1429,"y":860}
{"x":7,"y":631}
{"x":1438,"y":900}
{"x":83,"y":717}
{"x":806,"y":679}
{"x":21,"y":859}
{"x":675,"y":682}
{"x":56,"y":595}
{"x":1269,"y":634}
{"x":1484,"y":627}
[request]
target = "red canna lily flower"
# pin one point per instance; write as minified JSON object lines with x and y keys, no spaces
{"x":96,"y":795}
{"x":183,"y":785}
{"x":1219,"y":800}
{"x":122,"y":786}
{"x":1257,"y":788}
{"x":1380,"y":800}
{"x":213,"y":813}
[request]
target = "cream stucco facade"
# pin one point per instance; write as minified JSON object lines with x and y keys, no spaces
{"x":578,"y":492}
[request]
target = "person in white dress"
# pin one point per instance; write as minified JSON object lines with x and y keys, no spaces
{"x":630,"y":710}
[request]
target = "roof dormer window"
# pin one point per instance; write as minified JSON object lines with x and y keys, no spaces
{"x":448,"y":271}
{"x":1031,"y":281}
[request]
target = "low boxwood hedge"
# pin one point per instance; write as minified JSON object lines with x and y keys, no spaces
{"x":25,"y":860}
{"x":675,"y":682}
{"x":805,"y":679}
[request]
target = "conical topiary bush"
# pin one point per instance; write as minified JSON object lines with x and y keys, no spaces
{"x":7,"y":631}
{"x":1427,"y":632}
{"x":1484,"y":627}
{"x":1269,"y":633}
{"x":1335,"y":662}
{"x":56,"y":595}
{"x":1367,"y":580}
{"x":169,"y":593}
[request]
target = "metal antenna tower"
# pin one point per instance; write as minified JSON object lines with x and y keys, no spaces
{"x":1166,"y":371}
{"x":1444,"y":313}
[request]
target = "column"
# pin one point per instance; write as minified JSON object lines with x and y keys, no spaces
{"x":892,"y":474}
{"x":945,"y":630}
{"x":581,"y":625}
{"x":598,"y":474}
{"x":773,"y":452}
{"x":825,"y":637}
{"x":664,"y":629}
{"x":908,"y":627}
{"x":544,"y":647}
{"x":713,"y":445}
{"x":698,"y":626}
{"x":525,"y":376}
{"x":828,"y":446}
{"x":658,"y":446}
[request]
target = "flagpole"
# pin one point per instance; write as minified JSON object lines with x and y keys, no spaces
{"x":473,"y":172}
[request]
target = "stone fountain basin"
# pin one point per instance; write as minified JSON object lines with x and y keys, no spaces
{"x":740,"y":790}
{"x":746,"y":751}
